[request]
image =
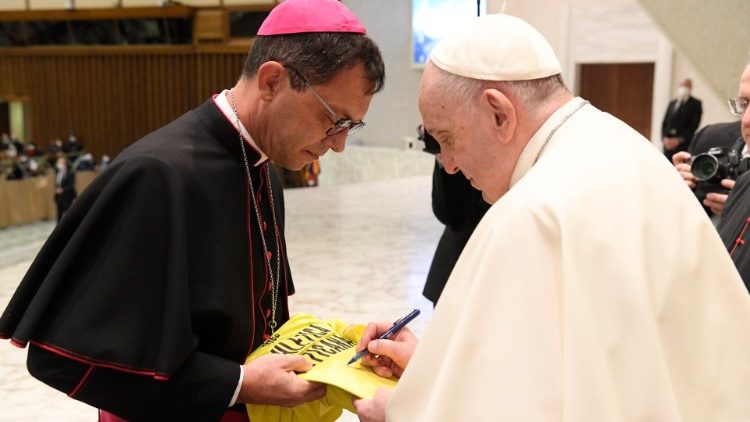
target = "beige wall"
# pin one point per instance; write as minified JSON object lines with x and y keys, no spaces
{"x":12,"y":4}
{"x":617,"y":31}
{"x":101,"y":4}
{"x":49,"y":4}
{"x":715,"y":107}
{"x":713,"y":33}
{"x":393,"y":113}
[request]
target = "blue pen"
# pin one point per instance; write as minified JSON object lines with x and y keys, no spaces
{"x":386,"y":335}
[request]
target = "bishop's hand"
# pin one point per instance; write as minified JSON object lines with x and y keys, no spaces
{"x":272,"y":379}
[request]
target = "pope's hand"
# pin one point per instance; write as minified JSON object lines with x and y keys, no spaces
{"x":373,"y":410}
{"x":387,"y":357}
{"x":272,"y":379}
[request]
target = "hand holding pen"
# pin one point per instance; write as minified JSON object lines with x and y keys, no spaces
{"x":394,"y":344}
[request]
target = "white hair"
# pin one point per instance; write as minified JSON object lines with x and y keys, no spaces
{"x":529,"y":93}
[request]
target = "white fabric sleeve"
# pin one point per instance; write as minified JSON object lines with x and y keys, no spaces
{"x":239,"y":385}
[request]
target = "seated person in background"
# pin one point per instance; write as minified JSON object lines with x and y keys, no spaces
{"x":720,"y":135}
{"x":55,"y":150}
{"x":592,"y":290}
{"x":34,"y":169}
{"x":8,"y":146}
{"x":73,"y":147}
{"x":4,"y":142}
{"x":19,"y":147}
{"x":55,"y":147}
{"x":19,"y":169}
{"x":85,"y":163}
{"x":31,"y":150}
{"x":459,"y":206}
{"x":104,"y":162}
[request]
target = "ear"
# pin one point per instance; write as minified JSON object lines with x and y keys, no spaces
{"x":270,"y":78}
{"x":502,"y":112}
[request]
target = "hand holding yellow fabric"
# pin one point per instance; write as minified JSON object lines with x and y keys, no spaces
{"x":328,"y":344}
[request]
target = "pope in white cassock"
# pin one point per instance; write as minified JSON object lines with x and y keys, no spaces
{"x":594,"y":289}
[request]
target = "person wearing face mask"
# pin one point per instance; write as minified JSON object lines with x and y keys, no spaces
{"x":65,"y":191}
{"x":681,"y":119}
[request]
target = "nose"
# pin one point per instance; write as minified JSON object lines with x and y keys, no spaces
{"x":449,"y":164}
{"x":337,"y":142}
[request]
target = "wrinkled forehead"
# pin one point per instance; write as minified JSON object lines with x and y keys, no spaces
{"x":430,"y":90}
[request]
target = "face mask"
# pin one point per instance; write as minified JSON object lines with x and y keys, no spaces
{"x":60,"y":167}
{"x":683,"y":92}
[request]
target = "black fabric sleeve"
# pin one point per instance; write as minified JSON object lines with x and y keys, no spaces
{"x":696,"y":145}
{"x":111,"y":291}
{"x":200,"y":390}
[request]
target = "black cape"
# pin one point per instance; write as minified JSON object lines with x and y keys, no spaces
{"x":735,"y":224}
{"x":152,"y":290}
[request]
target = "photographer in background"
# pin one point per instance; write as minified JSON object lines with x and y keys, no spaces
{"x":733,"y":207}
{"x":460,"y":207}
{"x":721,"y":140}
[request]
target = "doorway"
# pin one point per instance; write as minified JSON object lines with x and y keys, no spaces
{"x":14,"y":117}
{"x":4,"y":117}
{"x":624,"y":90}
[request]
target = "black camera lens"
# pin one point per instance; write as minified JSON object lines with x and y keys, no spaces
{"x":704,"y":167}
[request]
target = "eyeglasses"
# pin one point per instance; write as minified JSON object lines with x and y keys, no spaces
{"x":340,"y":124}
{"x":737,"y":106}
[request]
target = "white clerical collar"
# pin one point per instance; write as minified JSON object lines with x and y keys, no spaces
{"x":222,"y":102}
{"x":537,"y":142}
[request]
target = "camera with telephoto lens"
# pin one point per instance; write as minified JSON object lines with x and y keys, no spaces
{"x":719,"y":163}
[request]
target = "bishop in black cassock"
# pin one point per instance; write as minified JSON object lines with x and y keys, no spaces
{"x":148,"y":276}
{"x":171,"y":267}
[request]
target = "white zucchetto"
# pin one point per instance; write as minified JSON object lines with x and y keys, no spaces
{"x":496,"y":47}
